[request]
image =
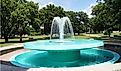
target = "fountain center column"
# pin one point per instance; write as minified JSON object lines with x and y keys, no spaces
{"x":61,"y":31}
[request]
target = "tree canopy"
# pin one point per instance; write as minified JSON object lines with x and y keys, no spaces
{"x":79,"y":21}
{"x":47,"y":14}
{"x":7,"y":6}
{"x":23,"y":17}
{"x":107,"y":16}
{"x":25,"y":14}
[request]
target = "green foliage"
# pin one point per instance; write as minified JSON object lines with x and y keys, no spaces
{"x":7,"y":6}
{"x":17,"y":15}
{"x":106,"y":33}
{"x":25,"y":14}
{"x":79,"y":21}
{"x":22,"y":17}
{"x":47,"y":14}
{"x":107,"y":16}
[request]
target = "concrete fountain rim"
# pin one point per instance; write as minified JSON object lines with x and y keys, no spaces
{"x":40,"y":45}
{"x":112,"y":61}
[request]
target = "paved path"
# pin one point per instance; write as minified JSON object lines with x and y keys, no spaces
{"x":111,"y":67}
{"x":7,"y":56}
{"x":11,"y":68}
{"x":17,"y":45}
{"x":6,"y":65}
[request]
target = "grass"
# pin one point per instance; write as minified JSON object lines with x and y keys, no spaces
{"x":17,"y":40}
{"x":83,"y":35}
{"x":26,"y":39}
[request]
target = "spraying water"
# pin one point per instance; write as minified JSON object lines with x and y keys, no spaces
{"x":61,"y":28}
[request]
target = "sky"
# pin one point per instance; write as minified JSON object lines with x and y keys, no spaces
{"x":69,"y":5}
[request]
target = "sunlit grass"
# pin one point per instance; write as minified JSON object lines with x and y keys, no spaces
{"x":16,"y":40}
{"x":81,"y":36}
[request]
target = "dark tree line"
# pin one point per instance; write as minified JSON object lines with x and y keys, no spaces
{"x":19,"y":17}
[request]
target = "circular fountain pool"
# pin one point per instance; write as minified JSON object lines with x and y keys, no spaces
{"x":37,"y":59}
{"x":67,"y":51}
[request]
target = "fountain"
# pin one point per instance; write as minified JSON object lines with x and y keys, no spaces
{"x":63,"y":50}
{"x":61,"y":27}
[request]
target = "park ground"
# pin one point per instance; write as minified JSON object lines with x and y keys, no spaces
{"x":114,"y":36}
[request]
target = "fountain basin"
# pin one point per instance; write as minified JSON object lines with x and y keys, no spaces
{"x":66,"y":51}
{"x":38,"y":59}
{"x":77,"y":44}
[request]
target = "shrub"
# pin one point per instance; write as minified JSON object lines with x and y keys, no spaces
{"x":106,"y":33}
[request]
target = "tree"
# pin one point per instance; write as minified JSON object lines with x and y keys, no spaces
{"x":7,"y":6}
{"x":79,"y":21}
{"x":34,"y":15}
{"x":21,"y":1}
{"x":47,"y":14}
{"x":100,"y":20}
{"x":107,"y":15}
{"x":73,"y":19}
{"x":115,"y":7}
{"x":84,"y":21}
{"x":25,"y":14}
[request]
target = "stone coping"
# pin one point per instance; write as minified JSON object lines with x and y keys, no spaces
{"x":108,"y":67}
{"x":17,"y":45}
{"x":112,"y":43}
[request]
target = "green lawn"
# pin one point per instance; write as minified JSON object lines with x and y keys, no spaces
{"x":83,"y":35}
{"x":16,"y":40}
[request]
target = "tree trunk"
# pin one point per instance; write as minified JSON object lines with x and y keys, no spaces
{"x":46,"y":29}
{"x":78,"y":31}
{"x":20,"y":37}
{"x":109,"y":33}
{"x":6,"y":38}
{"x":119,"y":28}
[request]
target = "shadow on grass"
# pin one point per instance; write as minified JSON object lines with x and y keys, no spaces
{"x":107,"y":38}
{"x":17,"y":41}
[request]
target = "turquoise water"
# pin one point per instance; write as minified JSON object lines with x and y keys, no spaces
{"x":64,"y":45}
{"x":63,"y":53}
{"x":37,"y":59}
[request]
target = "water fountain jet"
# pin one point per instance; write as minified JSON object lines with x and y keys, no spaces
{"x":61,"y":28}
